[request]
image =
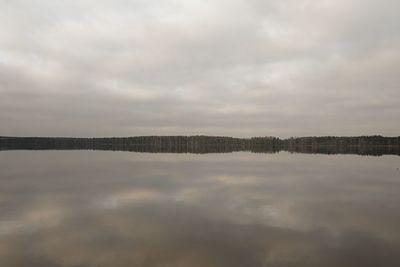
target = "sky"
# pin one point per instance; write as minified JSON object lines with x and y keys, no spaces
{"x":185,"y":67}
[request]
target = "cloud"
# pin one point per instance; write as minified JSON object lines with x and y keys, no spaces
{"x":242,"y":68}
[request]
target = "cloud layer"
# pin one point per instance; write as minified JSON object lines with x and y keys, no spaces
{"x":242,"y":68}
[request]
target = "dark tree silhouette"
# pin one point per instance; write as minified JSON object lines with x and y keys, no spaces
{"x":363,"y":145}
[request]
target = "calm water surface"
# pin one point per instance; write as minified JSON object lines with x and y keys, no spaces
{"x":91,"y":208}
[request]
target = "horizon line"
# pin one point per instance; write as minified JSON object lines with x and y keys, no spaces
{"x":204,"y":135}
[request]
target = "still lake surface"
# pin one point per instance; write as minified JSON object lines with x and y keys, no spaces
{"x":103,"y":208}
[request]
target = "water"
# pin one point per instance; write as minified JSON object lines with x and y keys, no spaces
{"x":94,"y":208}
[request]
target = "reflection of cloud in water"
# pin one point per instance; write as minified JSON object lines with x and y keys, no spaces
{"x":123,"y":209}
{"x":127,"y":198}
{"x":10,"y":227}
{"x":163,"y":235}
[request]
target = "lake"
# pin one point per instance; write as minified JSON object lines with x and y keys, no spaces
{"x":105,"y":208}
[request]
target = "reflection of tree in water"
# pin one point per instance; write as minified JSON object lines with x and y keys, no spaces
{"x":362,"y":145}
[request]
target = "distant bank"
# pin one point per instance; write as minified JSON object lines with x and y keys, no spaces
{"x":363,"y":145}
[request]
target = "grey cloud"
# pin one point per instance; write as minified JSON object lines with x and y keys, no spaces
{"x":188,"y":67}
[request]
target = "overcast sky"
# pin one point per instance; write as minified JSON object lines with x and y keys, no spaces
{"x":217,"y":67}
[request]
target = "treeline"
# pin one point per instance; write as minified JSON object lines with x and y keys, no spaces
{"x":173,"y":144}
{"x":360,"y":141}
{"x":364,"y":145}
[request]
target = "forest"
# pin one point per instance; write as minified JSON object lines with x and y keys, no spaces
{"x":363,"y":145}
